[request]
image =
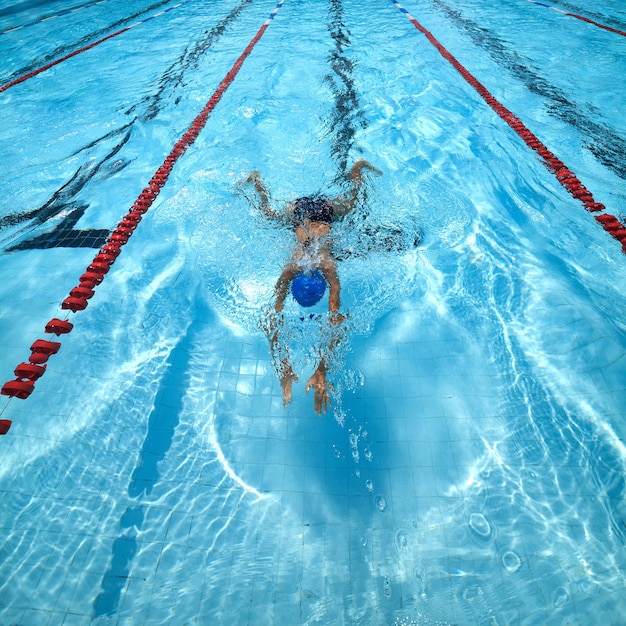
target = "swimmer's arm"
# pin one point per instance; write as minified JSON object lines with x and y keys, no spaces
{"x":317,"y":382}
{"x":282,"y":286}
{"x":343,"y":206}
{"x":329,"y":270}
{"x":274,"y":322}
{"x":273,"y":328}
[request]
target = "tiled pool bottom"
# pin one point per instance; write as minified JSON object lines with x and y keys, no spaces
{"x":438,"y":501}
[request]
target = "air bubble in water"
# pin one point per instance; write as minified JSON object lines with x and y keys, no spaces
{"x":587,"y":586}
{"x":511,"y":562}
{"x":560,"y":598}
{"x":354,"y":446}
{"x":340,"y":416}
{"x":387,"y":586}
{"x":420,"y":575}
{"x":402,"y":543}
{"x":471,"y":593}
{"x":353,"y":379}
{"x":381,"y":503}
{"x":479,"y":524}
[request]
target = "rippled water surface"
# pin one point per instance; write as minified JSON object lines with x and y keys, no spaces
{"x":471,"y":467}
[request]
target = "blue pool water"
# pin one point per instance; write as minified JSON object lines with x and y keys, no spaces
{"x":471,"y":467}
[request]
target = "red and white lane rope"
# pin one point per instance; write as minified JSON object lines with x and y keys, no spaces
{"x":78,"y":299}
{"x":563,"y":174}
{"x":580,"y":17}
{"x":47,"y":66}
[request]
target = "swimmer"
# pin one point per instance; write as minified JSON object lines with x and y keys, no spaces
{"x":311,"y":268}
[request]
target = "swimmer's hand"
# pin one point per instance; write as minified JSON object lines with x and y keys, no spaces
{"x":287,"y":378}
{"x":336,"y":318}
{"x":254,"y":178}
{"x":321,"y":400}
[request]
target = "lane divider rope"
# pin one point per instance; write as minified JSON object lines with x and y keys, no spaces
{"x":580,"y":17}
{"x":46,"y":18}
{"x":47,"y":66}
{"x":78,"y":298}
{"x":563,"y":174}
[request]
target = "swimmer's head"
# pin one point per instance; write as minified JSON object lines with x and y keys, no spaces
{"x":308,"y":289}
{"x":313,"y":208}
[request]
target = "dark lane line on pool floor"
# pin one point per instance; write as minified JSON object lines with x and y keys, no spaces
{"x":602,"y":141}
{"x":347,"y":117}
{"x":64,"y":199}
{"x":27,"y":373}
{"x":173,"y":76}
{"x":161,"y":427}
{"x":566,"y":178}
{"x":345,"y":121}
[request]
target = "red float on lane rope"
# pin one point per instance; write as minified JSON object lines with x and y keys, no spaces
{"x":82,"y":292}
{"x":74,"y":304}
{"x":46,"y":347}
{"x":91,"y":277}
{"x":586,"y":19}
{"x":30,"y":371}
{"x":18,"y":389}
{"x":38,"y":358}
{"x":59,"y":327}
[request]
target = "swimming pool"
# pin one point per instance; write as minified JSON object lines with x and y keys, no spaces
{"x":471,"y":468}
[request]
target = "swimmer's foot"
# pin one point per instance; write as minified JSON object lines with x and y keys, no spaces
{"x":362,"y":164}
{"x":253,"y":177}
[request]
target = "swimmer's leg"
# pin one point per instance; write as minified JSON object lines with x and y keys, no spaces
{"x":254,"y":178}
{"x":343,"y":206}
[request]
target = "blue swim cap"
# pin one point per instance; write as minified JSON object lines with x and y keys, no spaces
{"x":308,"y":289}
